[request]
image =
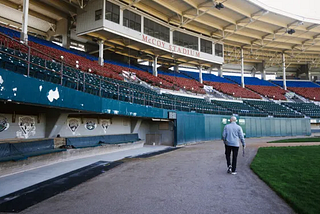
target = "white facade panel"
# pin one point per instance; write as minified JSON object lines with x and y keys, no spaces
{"x":86,"y":19}
{"x":87,"y":24}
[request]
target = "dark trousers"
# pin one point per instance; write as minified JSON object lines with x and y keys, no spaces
{"x":234,"y":156}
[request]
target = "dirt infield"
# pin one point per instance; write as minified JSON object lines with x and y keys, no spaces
{"x":191,"y":180}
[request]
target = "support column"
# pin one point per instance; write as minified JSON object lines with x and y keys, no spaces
{"x":142,"y":24}
{"x":54,"y":123}
{"x":264,"y":76}
{"x":220,"y":71}
{"x":284,"y":72}
{"x":309,"y":75}
{"x":24,"y":32}
{"x":200,"y":74}
{"x":309,"y":72}
{"x":253,"y":72}
{"x":101,"y":60}
{"x":66,"y":37}
{"x":135,"y":125}
{"x":155,"y":62}
{"x":242,"y":70}
{"x":121,"y":17}
{"x":176,"y":68}
{"x":171,"y":36}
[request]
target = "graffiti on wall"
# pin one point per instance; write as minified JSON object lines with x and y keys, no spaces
{"x":4,"y":125}
{"x":73,"y":124}
{"x":90,"y":124}
{"x":27,"y":127}
{"x":105,"y":123}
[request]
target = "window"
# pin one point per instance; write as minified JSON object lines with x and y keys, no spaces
{"x":156,"y":30}
{"x":206,"y":46}
{"x":112,"y":12}
{"x":98,"y":15}
{"x":132,"y":20}
{"x":185,"y":40}
{"x":218,"y":50}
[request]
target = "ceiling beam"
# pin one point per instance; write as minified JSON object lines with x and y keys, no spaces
{"x":64,"y":5}
{"x":47,"y":7}
{"x":31,"y":12}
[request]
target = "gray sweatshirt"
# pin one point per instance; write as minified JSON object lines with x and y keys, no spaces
{"x":231,"y":135}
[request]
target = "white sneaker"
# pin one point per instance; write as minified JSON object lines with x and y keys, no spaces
{"x":229,"y":169}
{"x":233,"y":173}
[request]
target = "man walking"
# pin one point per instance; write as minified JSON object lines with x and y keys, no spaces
{"x":231,"y":135}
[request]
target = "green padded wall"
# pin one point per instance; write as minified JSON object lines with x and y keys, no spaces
{"x":194,"y":127}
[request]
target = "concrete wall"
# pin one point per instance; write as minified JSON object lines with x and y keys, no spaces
{"x":151,"y":128}
{"x":81,"y":126}
{"x":119,"y":125}
{"x":22,"y":126}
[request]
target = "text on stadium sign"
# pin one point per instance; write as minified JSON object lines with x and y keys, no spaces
{"x":171,"y":48}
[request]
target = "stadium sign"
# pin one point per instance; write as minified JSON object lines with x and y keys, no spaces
{"x":169,"y":47}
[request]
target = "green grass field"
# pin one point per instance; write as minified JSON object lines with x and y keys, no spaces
{"x":294,"y":140}
{"x":293,"y":173}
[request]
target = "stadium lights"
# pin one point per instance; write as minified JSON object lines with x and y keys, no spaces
{"x":291,"y":31}
{"x":219,"y":6}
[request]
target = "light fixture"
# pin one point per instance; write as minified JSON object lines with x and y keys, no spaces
{"x":219,"y":6}
{"x":291,"y":31}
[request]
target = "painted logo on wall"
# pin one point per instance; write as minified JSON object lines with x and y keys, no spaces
{"x":90,"y":124}
{"x":105,"y":123}
{"x":27,"y":127}
{"x":73,"y":124}
{"x":4,"y":125}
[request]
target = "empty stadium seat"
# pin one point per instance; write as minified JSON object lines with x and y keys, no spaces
{"x":308,"y":109}
{"x":240,"y":108}
{"x":304,"y":88}
{"x":260,"y":86}
{"x":273,"y":109}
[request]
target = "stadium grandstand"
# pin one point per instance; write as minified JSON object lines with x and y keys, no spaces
{"x":83,"y":74}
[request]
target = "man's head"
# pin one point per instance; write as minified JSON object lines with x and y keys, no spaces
{"x":233,"y":119}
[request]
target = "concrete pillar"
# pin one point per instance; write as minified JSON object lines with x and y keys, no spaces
{"x":253,"y":72}
{"x":63,"y":30}
{"x":24,"y":32}
{"x":121,"y":17}
{"x":155,"y":62}
{"x":142,"y":24}
{"x":66,"y":37}
{"x":210,"y":69}
{"x":54,"y":123}
{"x":171,"y":37}
{"x":309,"y":75}
{"x":101,"y":60}
{"x":135,"y":125}
{"x":200,"y":74}
{"x":264,"y":75}
{"x":220,"y":71}
{"x":284,"y":72}
{"x":242,"y":70}
{"x":176,"y":68}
